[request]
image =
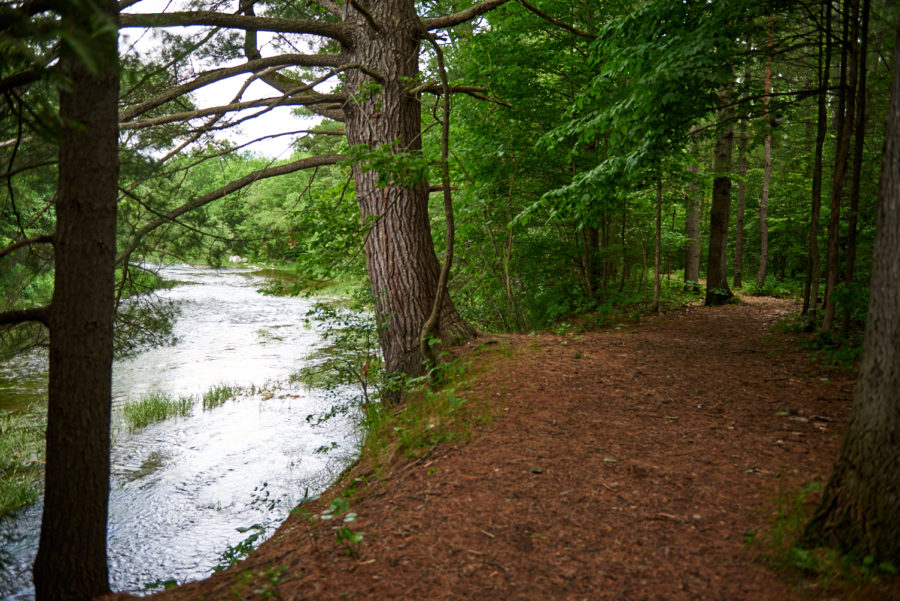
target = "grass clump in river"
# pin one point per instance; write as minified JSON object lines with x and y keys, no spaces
{"x":217,"y":395}
{"x":21,"y":459}
{"x":155,"y":407}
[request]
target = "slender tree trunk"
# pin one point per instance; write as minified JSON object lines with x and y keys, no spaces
{"x":811,"y":292}
{"x":71,"y":559}
{"x":767,"y":174}
{"x":657,"y":246}
{"x":860,"y":137}
{"x":643,"y":263}
{"x":847,"y":110}
{"x":859,"y":511}
{"x":590,"y":268}
{"x":743,"y":140}
{"x":717,"y":291}
{"x":692,"y":232}
{"x":402,"y":265}
{"x":625,"y":263}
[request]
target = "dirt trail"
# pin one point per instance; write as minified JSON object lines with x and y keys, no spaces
{"x":626,"y":465}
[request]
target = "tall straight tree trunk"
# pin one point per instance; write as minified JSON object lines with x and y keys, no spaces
{"x":859,"y":512}
{"x":811,"y":291}
{"x":71,"y":558}
{"x":717,"y":291}
{"x":625,"y":263}
{"x":658,"y":245}
{"x":767,"y":174}
{"x":692,"y":231}
{"x":742,"y":198}
{"x":402,"y":265}
{"x":847,"y":110}
{"x":860,"y":137}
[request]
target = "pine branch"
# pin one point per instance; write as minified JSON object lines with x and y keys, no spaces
{"x":261,"y":174}
{"x":204,"y":79}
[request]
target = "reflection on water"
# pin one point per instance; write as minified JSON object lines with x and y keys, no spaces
{"x":181,"y":488}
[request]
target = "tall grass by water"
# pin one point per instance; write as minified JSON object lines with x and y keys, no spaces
{"x":21,"y":461}
{"x":155,"y":407}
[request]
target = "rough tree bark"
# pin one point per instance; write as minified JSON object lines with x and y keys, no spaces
{"x":71,"y":559}
{"x":717,"y":291}
{"x":402,"y":265}
{"x":860,"y":512}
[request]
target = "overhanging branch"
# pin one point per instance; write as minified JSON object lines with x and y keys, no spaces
{"x":272,"y":102}
{"x":204,"y":79}
{"x":557,"y":22}
{"x":38,"y":314}
{"x":234,"y":186}
{"x":41,"y":239}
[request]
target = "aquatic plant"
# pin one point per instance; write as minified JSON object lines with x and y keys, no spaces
{"x":155,"y":407}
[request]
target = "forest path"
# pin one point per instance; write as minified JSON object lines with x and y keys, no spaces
{"x":627,"y":464}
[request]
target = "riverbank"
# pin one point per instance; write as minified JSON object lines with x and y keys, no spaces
{"x":664,"y":460}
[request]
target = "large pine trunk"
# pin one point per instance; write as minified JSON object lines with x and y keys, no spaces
{"x":402,"y":265}
{"x":860,"y":512}
{"x":71,"y":559}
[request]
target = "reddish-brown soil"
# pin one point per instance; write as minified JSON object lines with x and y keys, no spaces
{"x":625,"y":464}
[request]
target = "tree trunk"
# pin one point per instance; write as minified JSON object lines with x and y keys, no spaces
{"x":590,"y":269}
{"x":742,"y":197}
{"x":402,"y":265}
{"x":767,"y":173}
{"x":811,"y":290}
{"x":847,"y":110}
{"x":860,"y":137}
{"x":658,"y":245}
{"x":692,"y":232}
{"x":859,"y":511}
{"x":71,"y":559}
{"x":717,"y":291}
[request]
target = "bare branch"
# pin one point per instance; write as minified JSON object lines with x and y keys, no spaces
{"x":335,"y":31}
{"x":38,"y":314}
{"x":462,"y":16}
{"x":234,"y":186}
{"x":204,"y":79}
{"x":556,"y":22}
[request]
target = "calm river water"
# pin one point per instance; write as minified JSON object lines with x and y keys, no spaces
{"x":181,"y":488}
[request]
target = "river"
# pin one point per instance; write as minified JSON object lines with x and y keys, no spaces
{"x":181,"y":489}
